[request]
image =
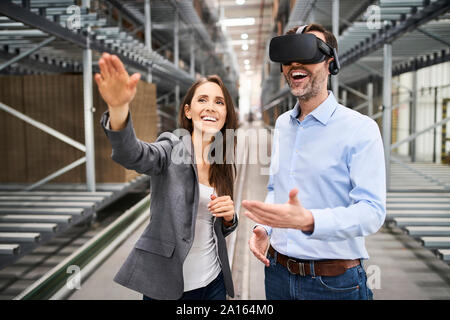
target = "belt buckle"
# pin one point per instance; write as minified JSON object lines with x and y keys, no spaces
{"x":301,"y":267}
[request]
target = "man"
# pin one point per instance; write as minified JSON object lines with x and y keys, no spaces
{"x":327,"y":193}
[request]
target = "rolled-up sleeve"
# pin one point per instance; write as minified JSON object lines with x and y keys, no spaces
{"x":367,"y":212}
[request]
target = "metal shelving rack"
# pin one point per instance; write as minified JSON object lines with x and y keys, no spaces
{"x":42,"y":37}
{"x":175,"y":25}
{"x":25,"y":24}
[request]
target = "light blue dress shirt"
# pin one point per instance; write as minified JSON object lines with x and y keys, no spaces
{"x":336,"y":160}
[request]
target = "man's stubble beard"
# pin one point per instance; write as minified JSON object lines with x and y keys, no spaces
{"x":312,"y":89}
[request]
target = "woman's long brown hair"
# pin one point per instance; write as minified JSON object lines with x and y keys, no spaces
{"x":221,"y":175}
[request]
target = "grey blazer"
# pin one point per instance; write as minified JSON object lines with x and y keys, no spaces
{"x":155,"y":265}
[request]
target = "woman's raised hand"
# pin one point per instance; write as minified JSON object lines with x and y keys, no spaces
{"x":115,"y":85}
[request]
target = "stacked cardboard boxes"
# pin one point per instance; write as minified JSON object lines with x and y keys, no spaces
{"x":29,"y":154}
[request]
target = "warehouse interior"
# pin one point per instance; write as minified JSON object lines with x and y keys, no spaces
{"x":63,"y":202}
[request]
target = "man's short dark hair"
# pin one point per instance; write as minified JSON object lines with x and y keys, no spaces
{"x":329,"y":37}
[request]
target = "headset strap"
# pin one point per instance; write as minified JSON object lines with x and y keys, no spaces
{"x":301,"y":29}
{"x":325,"y":48}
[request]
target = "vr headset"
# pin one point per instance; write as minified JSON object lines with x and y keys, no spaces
{"x":304,"y":48}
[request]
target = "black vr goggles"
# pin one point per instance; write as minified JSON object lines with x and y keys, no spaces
{"x":303,"y":48}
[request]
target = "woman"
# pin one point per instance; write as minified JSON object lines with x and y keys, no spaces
{"x":182,"y":252}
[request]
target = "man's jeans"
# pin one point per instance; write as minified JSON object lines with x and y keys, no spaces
{"x":282,"y":285}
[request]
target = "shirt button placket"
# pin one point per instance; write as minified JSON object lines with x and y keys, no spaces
{"x":293,"y":160}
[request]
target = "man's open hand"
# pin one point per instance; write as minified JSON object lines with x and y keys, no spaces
{"x":258,"y":243}
{"x":288,"y":215}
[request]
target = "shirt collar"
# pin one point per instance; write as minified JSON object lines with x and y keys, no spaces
{"x":322,"y":113}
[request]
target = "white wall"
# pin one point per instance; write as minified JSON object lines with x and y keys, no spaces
{"x":437,"y":75}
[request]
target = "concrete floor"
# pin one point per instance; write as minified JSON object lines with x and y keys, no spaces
{"x":248,"y":272}
{"x":407,"y":270}
{"x":100,"y":285}
{"x":399,"y":267}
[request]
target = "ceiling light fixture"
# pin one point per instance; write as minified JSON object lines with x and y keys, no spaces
{"x":244,"y":36}
{"x":245,"y":47}
{"x":238,"y":22}
{"x":241,"y":42}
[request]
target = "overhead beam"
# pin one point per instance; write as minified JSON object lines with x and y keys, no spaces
{"x":434,"y":36}
{"x":27,"y":17}
{"x":422,"y":62}
{"x":26,"y":53}
{"x":119,"y":5}
{"x":37,"y":65}
{"x":392,"y":32}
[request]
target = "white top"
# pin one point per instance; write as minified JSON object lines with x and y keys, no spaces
{"x":202,"y":263}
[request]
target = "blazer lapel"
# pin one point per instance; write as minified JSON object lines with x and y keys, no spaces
{"x":189,"y":146}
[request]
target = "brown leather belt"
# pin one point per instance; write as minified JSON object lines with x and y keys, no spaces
{"x":328,"y":268}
